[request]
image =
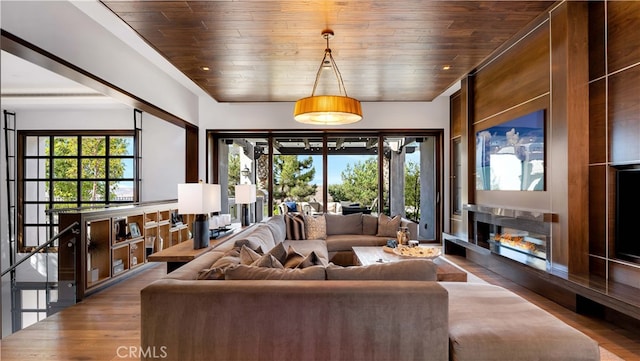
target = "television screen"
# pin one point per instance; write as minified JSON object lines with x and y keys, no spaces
{"x":510,"y":156}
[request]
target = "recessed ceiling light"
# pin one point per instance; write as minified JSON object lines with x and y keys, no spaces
{"x":205,"y":68}
{"x":446,"y":67}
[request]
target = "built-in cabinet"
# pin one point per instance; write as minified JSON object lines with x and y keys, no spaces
{"x":114,"y":242}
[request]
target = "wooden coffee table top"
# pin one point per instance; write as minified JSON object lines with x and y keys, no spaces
{"x":370,"y":255}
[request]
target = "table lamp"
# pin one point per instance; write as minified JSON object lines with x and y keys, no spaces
{"x":199,"y":199}
{"x":245,"y":195}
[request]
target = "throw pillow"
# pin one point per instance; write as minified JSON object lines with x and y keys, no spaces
{"x":369,"y":224}
{"x":243,"y":272}
{"x":291,"y":206}
{"x":294,"y":258}
{"x":268,"y":261}
{"x":295,"y":226}
{"x":279,"y":252}
{"x":315,"y":227}
{"x":248,"y":256}
{"x":407,"y":270}
{"x":387,"y":226}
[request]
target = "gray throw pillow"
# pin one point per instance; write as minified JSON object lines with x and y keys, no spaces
{"x":248,"y":256}
{"x":344,"y":224}
{"x":407,"y":270}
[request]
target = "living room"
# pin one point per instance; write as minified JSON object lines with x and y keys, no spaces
{"x":180,"y":158}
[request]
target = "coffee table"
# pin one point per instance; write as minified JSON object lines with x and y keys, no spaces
{"x":369,"y":255}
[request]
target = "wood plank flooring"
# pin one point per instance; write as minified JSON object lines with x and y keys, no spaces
{"x":106,"y":325}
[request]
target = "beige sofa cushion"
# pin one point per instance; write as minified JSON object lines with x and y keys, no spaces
{"x":387,"y":226}
{"x":344,"y":224}
{"x":305,"y":247}
{"x":243,"y":272}
{"x":510,"y":329}
{"x":277,"y":227}
{"x":346,"y":242}
{"x":369,"y":225}
{"x":409,"y":270}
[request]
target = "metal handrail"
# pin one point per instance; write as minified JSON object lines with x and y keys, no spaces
{"x":43,"y":246}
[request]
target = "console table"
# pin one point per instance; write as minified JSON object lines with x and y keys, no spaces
{"x":182,"y":253}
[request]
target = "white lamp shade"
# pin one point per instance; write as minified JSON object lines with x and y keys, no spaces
{"x":198,"y":198}
{"x":245,"y":193}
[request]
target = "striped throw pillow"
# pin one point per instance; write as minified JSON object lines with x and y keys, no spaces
{"x":295,"y":226}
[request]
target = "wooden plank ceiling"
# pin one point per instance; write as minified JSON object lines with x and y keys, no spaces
{"x":270,"y":50}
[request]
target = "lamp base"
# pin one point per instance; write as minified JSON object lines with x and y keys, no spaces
{"x":244,"y":219}
{"x":201,"y":231}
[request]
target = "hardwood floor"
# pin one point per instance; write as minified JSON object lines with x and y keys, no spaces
{"x":106,"y":325}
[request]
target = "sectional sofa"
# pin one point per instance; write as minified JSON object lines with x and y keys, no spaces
{"x":240,"y":302}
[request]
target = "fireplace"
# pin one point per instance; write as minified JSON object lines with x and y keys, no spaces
{"x":627,"y":243}
{"x":522,"y":236}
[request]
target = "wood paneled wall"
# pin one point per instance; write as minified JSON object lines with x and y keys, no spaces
{"x":582,"y":64}
{"x":614,"y":126}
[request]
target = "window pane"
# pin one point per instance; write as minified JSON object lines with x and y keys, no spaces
{"x":65,"y":168}
{"x":93,"y":191}
{"x":34,"y":213}
{"x":121,"y":191}
{"x":65,"y":191}
{"x":29,"y":318}
{"x":42,"y":301}
{"x":297,"y":172}
{"x":352,"y":172}
{"x":34,"y":236}
{"x":93,"y":168}
{"x":65,"y":146}
{"x":120,"y":168}
{"x":29,"y":299}
{"x":36,"y":168}
{"x":412,"y":181}
{"x":93,"y":145}
{"x":121,"y":145}
{"x":35,"y":191}
{"x":36,"y":146}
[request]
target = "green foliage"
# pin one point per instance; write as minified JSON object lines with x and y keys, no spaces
{"x":234,"y":173}
{"x":292,"y":177}
{"x":92,"y":170}
{"x":359,"y":183}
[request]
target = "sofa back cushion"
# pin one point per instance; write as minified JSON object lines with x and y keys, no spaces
{"x":408,"y":270}
{"x":277,"y":227}
{"x":261,"y":235}
{"x":369,"y":225}
{"x":244,"y":272}
{"x":344,"y":224}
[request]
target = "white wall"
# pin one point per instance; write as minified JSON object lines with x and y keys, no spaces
{"x":63,"y":29}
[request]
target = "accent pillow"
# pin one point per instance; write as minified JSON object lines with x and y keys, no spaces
{"x":268,"y":261}
{"x":295,"y":226}
{"x":248,"y":256}
{"x":292,"y":206}
{"x":315,"y":227}
{"x":294,"y":258}
{"x":216,"y":270}
{"x":387,"y":226}
{"x":279,"y":252}
{"x":406,"y":270}
{"x":243,"y":272}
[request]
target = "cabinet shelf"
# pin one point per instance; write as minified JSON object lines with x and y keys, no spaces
{"x":112,"y":243}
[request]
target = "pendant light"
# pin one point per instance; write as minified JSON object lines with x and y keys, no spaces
{"x":328,"y":109}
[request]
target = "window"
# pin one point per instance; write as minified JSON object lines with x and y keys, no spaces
{"x":70,"y":170}
{"x":395,"y":173}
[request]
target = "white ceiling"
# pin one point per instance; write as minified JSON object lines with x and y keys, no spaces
{"x":28,"y":86}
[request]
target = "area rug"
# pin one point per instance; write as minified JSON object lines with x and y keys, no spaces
{"x":605,"y":355}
